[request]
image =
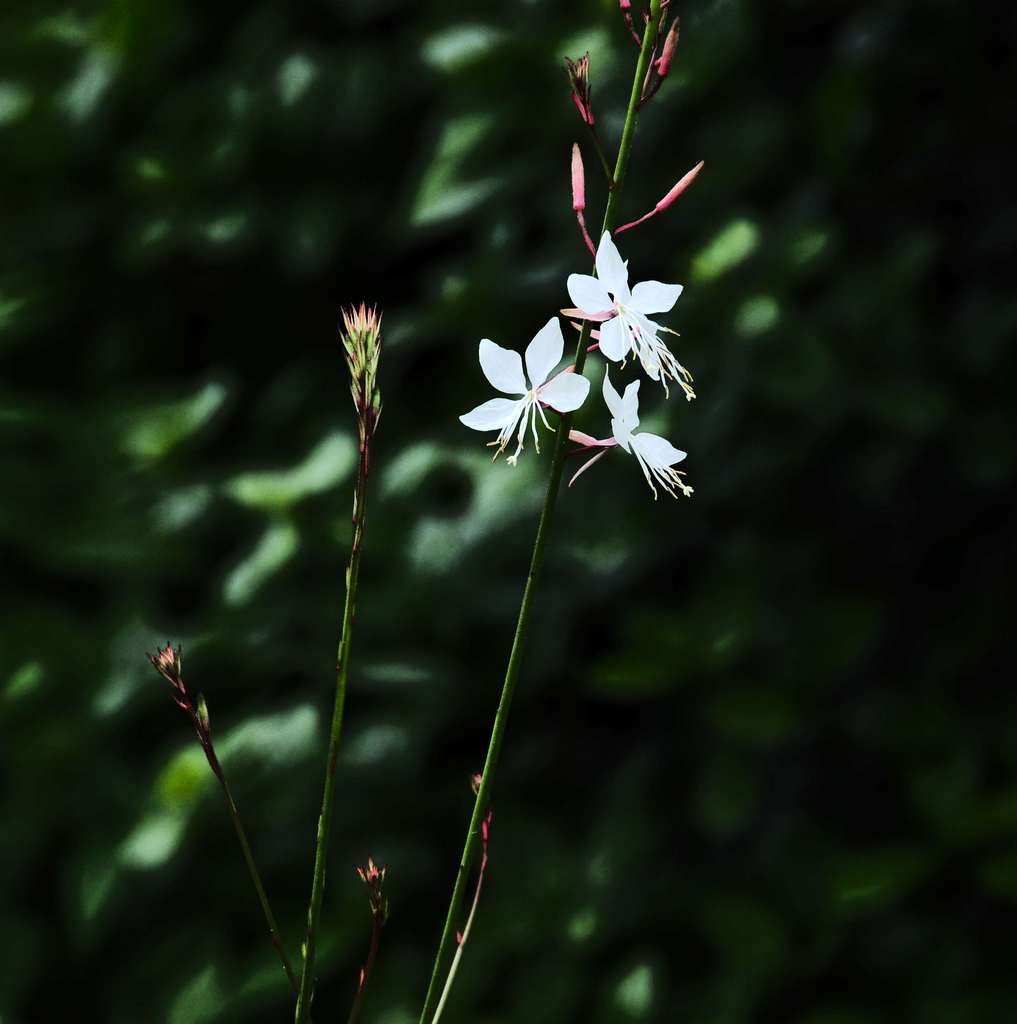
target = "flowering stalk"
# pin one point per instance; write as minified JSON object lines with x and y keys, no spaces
{"x":461,"y":939}
{"x":362,"y":342}
{"x":374,"y":878}
{"x":167,"y":663}
{"x":480,"y":804}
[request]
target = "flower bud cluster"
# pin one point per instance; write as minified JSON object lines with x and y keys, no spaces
{"x":374,"y":878}
{"x":168,"y":663}
{"x":361,"y":338}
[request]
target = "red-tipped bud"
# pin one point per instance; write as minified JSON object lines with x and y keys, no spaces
{"x":166,"y":661}
{"x":579,"y":78}
{"x":374,"y":878}
{"x":578,"y":180}
{"x":667,"y":52}
{"x":678,"y":189}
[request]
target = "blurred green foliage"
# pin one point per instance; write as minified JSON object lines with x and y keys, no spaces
{"x":763,"y":763}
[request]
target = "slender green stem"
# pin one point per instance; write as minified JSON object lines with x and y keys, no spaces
{"x":599,"y":148}
{"x":306,"y":991}
{"x":539,"y":544}
{"x":252,"y":870}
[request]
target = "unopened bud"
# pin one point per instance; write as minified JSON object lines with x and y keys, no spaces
{"x":579,"y":78}
{"x":361,"y":341}
{"x":578,"y":180}
{"x":683,"y":183}
{"x":202,"y":714}
{"x":167,"y":663}
{"x":475,"y":781}
{"x":374,"y":878}
{"x":625,"y":5}
{"x":667,"y":51}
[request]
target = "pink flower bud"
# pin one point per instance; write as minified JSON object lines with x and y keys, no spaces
{"x":683,"y":184}
{"x":667,"y":52}
{"x":625,"y":5}
{"x":578,"y":180}
{"x":579,"y":78}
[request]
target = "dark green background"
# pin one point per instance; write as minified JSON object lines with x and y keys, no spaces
{"x":762,"y":764}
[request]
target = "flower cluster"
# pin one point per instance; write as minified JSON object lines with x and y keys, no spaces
{"x":625,"y":329}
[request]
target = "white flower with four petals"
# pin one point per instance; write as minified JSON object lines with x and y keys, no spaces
{"x":656,"y":455}
{"x":504,"y":370}
{"x":626,"y":326}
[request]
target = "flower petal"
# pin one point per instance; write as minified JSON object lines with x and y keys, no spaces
{"x":544,"y":353}
{"x":588,"y":293}
{"x":615,"y":340}
{"x":630,"y":406}
{"x":611,"y":397}
{"x":493,"y":415}
{"x":655,"y":297}
{"x":657,"y":451}
{"x":566,"y":392}
{"x":611,"y":268}
{"x":503,"y":368}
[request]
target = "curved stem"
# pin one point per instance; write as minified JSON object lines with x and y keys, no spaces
{"x":539,"y":544}
{"x":252,"y":870}
{"x":306,"y":990}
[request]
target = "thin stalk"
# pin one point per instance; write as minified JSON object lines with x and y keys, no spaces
{"x":539,"y":544}
{"x":252,"y":870}
{"x":365,"y":972}
{"x":306,"y":989}
{"x":599,"y":148}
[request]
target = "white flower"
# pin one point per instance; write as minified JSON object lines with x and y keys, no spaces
{"x":625,"y":315}
{"x":656,"y":455}
{"x":504,"y":369}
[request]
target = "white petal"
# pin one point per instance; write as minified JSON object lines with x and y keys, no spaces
{"x":657,"y":451}
{"x":544,"y":353}
{"x":611,"y":397}
{"x":503,"y":368}
{"x":611,"y":270}
{"x":630,"y":406}
{"x":621,"y":433}
{"x":492,"y":415}
{"x":654,"y":297}
{"x":615,"y":340}
{"x":588,"y":293}
{"x":566,"y":392}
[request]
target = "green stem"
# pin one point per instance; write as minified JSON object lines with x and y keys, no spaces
{"x":539,"y":544}
{"x":306,"y":990}
{"x":252,"y":870}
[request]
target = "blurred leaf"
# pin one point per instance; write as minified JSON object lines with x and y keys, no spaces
{"x":332,"y":461}
{"x":757,"y":716}
{"x":441,"y":194}
{"x":731,"y":246}
{"x":277,"y":545}
{"x":868,"y":880}
{"x":457,"y":47}
{"x":155,"y":431}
